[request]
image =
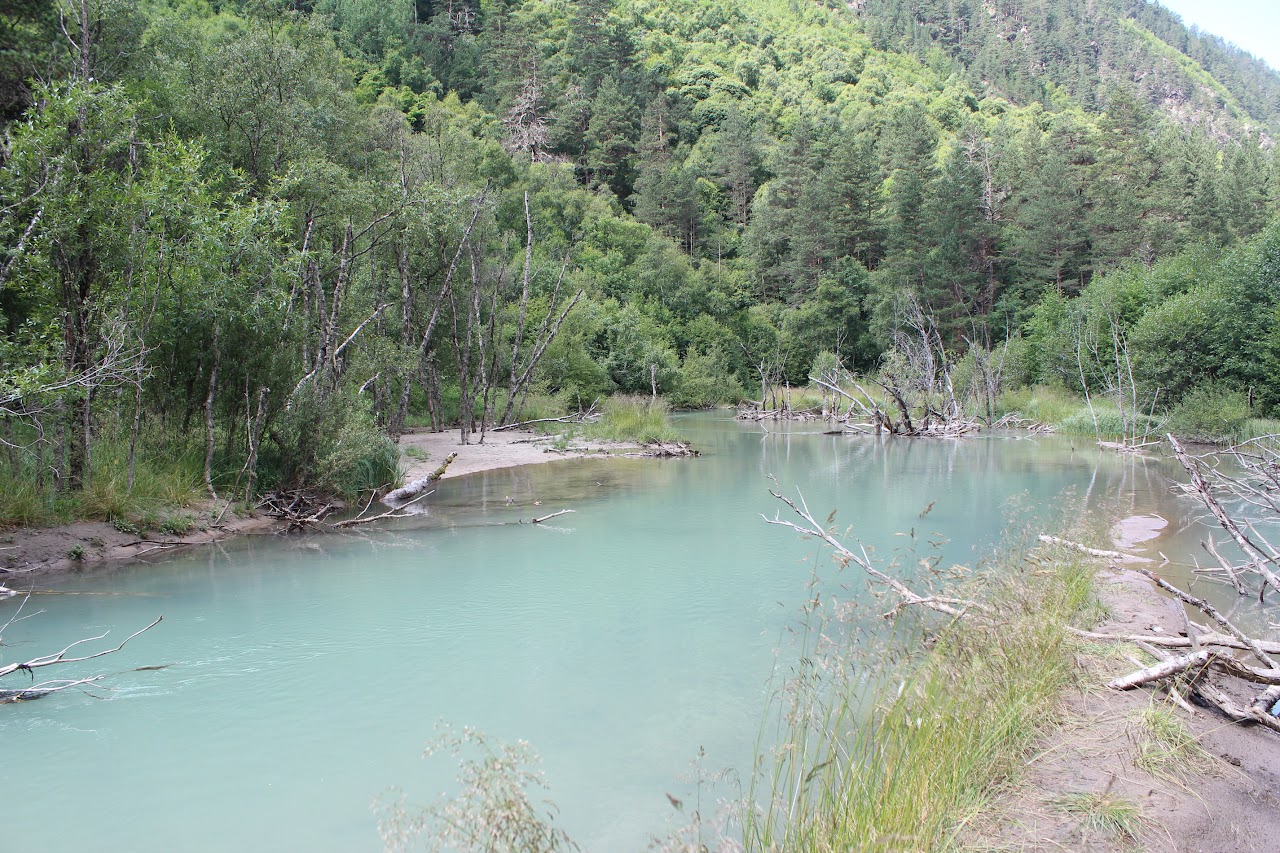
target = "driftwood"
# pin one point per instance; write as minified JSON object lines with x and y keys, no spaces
{"x":1164,"y":669}
{"x":589,"y":416}
{"x":545,"y":517}
{"x":391,"y":513}
{"x":410,"y":491}
{"x":1179,"y":642}
{"x":1093,"y":552}
{"x":299,"y":508}
{"x":1209,"y":610}
{"x":44,"y":688}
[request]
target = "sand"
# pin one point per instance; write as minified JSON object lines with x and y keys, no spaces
{"x":1226,"y":801}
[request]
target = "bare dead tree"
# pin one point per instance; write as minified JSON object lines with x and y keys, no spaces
{"x":38,"y":690}
{"x":528,"y":122}
{"x":522,"y":371}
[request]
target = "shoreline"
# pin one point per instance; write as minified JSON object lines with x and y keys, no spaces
{"x":46,"y":552}
{"x":1214,"y":793}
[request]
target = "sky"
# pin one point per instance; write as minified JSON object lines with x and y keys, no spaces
{"x":1252,"y":24}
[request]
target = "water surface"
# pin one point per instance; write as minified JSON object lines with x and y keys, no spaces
{"x":308,"y":672}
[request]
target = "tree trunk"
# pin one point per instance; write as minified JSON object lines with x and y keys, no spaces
{"x":208,"y":418}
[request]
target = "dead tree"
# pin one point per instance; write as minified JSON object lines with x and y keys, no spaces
{"x":38,"y":690}
{"x":1256,"y":485}
{"x":522,"y":371}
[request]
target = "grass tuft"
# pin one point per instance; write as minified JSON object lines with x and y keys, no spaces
{"x":1106,"y":813}
{"x":634,"y":419}
{"x":1165,"y":747}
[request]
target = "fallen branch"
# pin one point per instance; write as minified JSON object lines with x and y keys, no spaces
{"x":1209,"y":610}
{"x":61,"y":657}
{"x":43,"y":689}
{"x":546,"y":517}
{"x":942,"y":604}
{"x":579,"y":418}
{"x":1224,"y":703}
{"x":1256,"y":557}
{"x":391,"y":513}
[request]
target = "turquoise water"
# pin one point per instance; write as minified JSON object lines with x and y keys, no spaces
{"x":308,"y":672}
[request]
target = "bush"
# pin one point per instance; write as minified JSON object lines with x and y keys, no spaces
{"x":1043,"y":403}
{"x":1210,"y":414}
{"x":335,"y":445}
{"x":703,"y":382}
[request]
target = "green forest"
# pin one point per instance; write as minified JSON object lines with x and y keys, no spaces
{"x":246,"y":244}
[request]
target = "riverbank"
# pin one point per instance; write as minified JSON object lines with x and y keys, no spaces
{"x":422,"y":452}
{"x":28,"y":553}
{"x":1125,"y":770}
{"x":998,"y":732}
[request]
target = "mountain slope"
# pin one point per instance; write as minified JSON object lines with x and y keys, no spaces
{"x":1032,"y":50}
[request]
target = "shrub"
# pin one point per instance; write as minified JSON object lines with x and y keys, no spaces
{"x":1210,"y":414}
{"x":178,"y":524}
{"x":703,"y":382}
{"x":334,"y":445}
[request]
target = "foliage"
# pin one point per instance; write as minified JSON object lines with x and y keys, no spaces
{"x":494,"y":812}
{"x":237,"y":219}
{"x":703,"y":383}
{"x":1210,"y":414}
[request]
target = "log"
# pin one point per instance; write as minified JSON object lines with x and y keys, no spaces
{"x":1164,"y":669}
{"x":1093,"y":552}
{"x":1209,"y":610}
{"x":410,"y":491}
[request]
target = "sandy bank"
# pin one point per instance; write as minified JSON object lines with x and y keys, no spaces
{"x":422,"y":452}
{"x":1225,"y":799}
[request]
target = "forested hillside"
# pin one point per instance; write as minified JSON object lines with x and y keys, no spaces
{"x":1038,"y":50}
{"x":261,"y":237}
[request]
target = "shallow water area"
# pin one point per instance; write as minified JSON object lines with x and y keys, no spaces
{"x":308,"y":672}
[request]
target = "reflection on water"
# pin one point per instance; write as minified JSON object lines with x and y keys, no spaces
{"x":309,"y":671}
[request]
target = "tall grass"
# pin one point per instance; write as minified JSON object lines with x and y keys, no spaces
{"x":635,"y":419}
{"x":1046,"y":404}
{"x":166,"y":475}
{"x":902,"y":756}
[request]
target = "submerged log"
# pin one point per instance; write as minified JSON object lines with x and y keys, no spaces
{"x":409,"y":491}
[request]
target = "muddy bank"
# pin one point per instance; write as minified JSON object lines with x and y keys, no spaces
{"x":27,"y":553}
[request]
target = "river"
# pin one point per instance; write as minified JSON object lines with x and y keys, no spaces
{"x":308,"y":672}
